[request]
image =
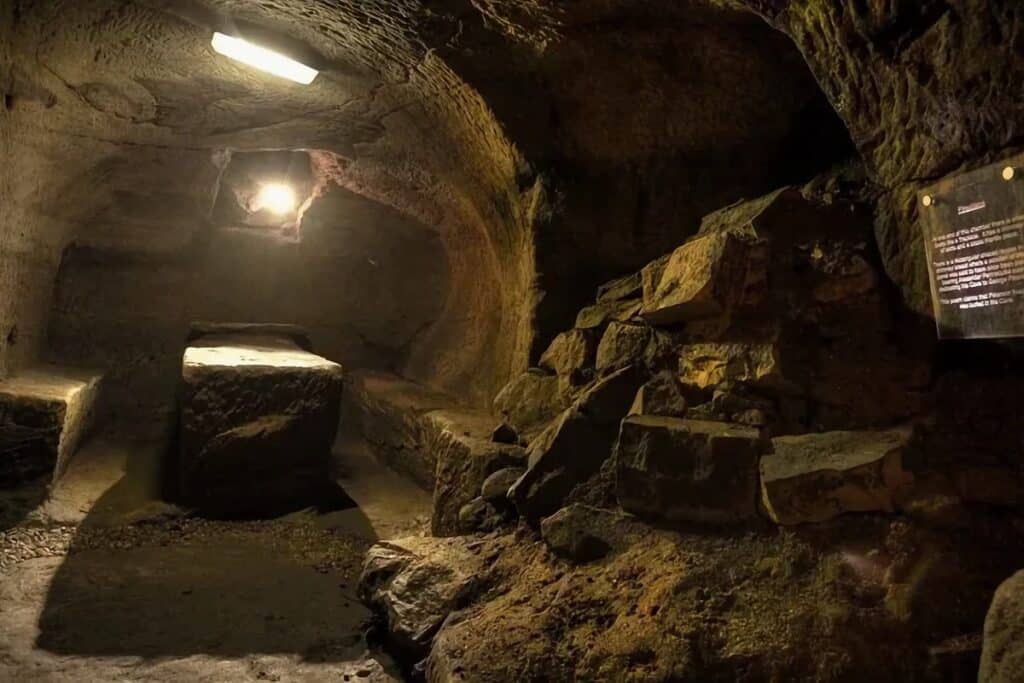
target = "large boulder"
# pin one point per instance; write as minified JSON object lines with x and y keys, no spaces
{"x":622,"y":344}
{"x":687,"y":470}
{"x":44,"y":415}
{"x":640,"y":345}
{"x":815,"y":477}
{"x":416,"y":583}
{"x":530,"y":402}
{"x":258,"y":419}
{"x":703,"y":278}
{"x":650,"y":278}
{"x":571,"y":354}
{"x":1002,"y":654}
{"x":479,"y":515}
{"x":573,"y":447}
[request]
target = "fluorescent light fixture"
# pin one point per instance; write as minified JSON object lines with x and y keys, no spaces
{"x":276,"y":198}
{"x":263,"y":59}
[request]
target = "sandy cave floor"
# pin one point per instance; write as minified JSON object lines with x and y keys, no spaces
{"x":101,"y":582}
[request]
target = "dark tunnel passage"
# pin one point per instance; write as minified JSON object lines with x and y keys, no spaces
{"x":493,"y":340}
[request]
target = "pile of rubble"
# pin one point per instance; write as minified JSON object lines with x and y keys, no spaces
{"x":760,"y":377}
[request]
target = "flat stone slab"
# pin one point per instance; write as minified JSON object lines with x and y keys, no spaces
{"x":258,"y":419}
{"x":815,"y":477}
{"x":44,"y":414}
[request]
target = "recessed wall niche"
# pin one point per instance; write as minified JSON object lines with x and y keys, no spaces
{"x":251,"y":177}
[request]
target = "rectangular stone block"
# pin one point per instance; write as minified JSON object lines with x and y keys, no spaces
{"x":44,"y":415}
{"x":687,"y":470}
{"x":815,"y":477}
{"x":258,"y":419}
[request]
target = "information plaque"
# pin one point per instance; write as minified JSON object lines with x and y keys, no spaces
{"x":974,"y":242}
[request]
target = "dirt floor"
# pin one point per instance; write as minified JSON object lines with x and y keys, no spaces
{"x":99,"y":581}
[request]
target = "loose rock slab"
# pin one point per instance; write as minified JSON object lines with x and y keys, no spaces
{"x":573,"y":447}
{"x":687,"y":470}
{"x":815,"y":477}
{"x":661,"y":395}
{"x":600,"y":315}
{"x":258,"y":419}
{"x":44,"y":414}
{"x":570,"y":353}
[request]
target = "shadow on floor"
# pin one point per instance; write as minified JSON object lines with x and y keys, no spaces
{"x":16,"y":503}
{"x":173,"y":586}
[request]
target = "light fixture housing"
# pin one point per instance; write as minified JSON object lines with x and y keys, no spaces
{"x":263,"y":59}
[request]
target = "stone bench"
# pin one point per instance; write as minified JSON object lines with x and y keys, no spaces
{"x":259,"y":414}
{"x":44,"y":414}
{"x":423,"y":434}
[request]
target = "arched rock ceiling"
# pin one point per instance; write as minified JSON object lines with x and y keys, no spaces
{"x":495,"y":121}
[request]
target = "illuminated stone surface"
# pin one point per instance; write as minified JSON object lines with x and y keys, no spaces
{"x":702,"y":278}
{"x":258,"y":419}
{"x":44,"y":414}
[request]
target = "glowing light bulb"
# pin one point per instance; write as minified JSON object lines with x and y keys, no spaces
{"x":277,"y":198}
{"x":263,"y":59}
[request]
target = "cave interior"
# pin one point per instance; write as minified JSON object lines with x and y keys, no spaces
{"x":511,"y":340}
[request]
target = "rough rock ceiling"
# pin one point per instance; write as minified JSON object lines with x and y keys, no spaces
{"x":493,"y":121}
